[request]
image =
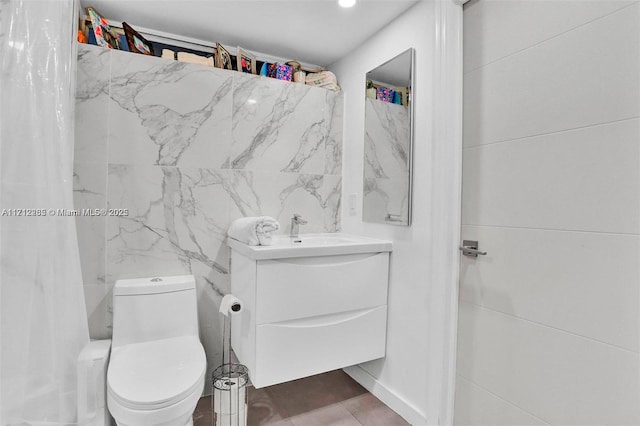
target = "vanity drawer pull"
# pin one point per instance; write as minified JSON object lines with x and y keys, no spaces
{"x":323,"y":320}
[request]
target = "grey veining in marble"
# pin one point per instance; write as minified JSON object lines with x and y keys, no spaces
{"x":90,"y":192}
{"x":333,"y":145}
{"x":168,"y":112}
{"x":93,"y":72}
{"x":387,"y":156}
{"x":280,"y":126}
{"x":387,"y":139}
{"x":92,"y":99}
{"x":332,"y":196}
{"x":281,"y":195}
{"x":186,"y":150}
{"x":177,"y":221}
{"x":386,"y":201}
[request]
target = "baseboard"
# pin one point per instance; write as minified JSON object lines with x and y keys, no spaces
{"x":386,"y":395}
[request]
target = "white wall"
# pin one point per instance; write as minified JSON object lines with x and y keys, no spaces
{"x":549,"y":319}
{"x":424,"y":258}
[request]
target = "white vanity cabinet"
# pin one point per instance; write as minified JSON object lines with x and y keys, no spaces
{"x":305,"y":313}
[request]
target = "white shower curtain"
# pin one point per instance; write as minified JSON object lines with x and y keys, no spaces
{"x":43,"y":322}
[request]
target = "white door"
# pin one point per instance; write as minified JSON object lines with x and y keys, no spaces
{"x":548,"y":327}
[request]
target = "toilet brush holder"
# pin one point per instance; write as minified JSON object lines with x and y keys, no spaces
{"x":229,"y":397}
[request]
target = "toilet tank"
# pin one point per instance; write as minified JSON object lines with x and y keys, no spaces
{"x":147,"y":309}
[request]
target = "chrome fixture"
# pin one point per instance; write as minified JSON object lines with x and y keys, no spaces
{"x":470,"y":248}
{"x":296,"y":221}
{"x":393,"y":218}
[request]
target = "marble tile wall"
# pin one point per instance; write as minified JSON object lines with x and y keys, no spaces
{"x":387,"y":150}
{"x":186,"y":150}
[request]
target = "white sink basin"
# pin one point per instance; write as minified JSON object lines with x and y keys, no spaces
{"x":329,"y":244}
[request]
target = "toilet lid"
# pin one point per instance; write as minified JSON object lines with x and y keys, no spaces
{"x":156,"y":374}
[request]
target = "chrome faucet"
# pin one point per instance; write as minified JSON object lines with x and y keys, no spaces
{"x":296,"y":221}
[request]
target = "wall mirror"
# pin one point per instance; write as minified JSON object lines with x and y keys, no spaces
{"x":388,"y":134}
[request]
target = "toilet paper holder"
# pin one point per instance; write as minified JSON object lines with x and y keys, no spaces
{"x":230,"y":305}
{"x":229,"y":398}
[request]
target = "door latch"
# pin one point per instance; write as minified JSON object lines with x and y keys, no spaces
{"x":470,"y":248}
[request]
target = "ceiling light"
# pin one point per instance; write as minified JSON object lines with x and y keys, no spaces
{"x":346,"y":3}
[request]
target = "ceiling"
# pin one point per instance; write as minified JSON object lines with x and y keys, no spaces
{"x":315,"y":32}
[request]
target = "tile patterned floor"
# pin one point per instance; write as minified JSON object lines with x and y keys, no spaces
{"x":331,"y":398}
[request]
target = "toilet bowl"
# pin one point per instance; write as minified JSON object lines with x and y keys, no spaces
{"x":157,"y":366}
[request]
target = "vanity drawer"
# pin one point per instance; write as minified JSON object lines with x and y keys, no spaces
{"x":303,"y":287}
{"x":299,"y":348}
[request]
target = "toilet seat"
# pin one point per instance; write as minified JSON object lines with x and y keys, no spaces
{"x":156,"y":374}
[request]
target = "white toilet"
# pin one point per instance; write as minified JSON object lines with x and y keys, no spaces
{"x":157,"y":366}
